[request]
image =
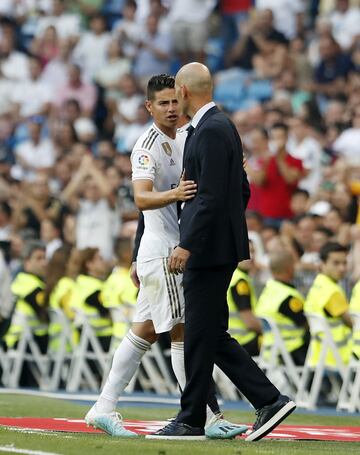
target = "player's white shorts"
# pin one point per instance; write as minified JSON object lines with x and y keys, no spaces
{"x":161,"y":295}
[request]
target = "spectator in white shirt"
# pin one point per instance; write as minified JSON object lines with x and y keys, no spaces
{"x":130,"y":134}
{"x":126,"y":108}
{"x":347,"y":145}
{"x":345,"y":23}
{"x":128,"y":30}
{"x":189,"y":28}
{"x":33,"y":155}
{"x":13,"y":64}
{"x":67,"y":25}
{"x":304,"y":147}
{"x":56,"y":71}
{"x":90,"y":52}
{"x":32,"y":97}
{"x":153,"y":56}
{"x":114,"y":68}
{"x":90,"y":195}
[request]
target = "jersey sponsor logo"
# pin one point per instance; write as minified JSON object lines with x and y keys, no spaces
{"x":167,"y":148}
{"x":144,"y":160}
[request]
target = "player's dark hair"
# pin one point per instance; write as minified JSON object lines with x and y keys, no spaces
{"x":158,"y":83}
{"x":331,"y":247}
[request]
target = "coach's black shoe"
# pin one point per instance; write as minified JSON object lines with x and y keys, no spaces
{"x":178,"y":430}
{"x":268,"y":417}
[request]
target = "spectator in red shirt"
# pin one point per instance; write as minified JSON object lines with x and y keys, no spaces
{"x":256,"y":163}
{"x":278,"y":179}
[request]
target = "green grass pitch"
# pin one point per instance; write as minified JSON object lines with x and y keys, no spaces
{"x":78,"y":444}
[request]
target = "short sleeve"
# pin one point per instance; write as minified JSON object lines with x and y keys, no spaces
{"x":337,"y":305}
{"x":293,"y":308}
{"x":240,"y":293}
{"x":143,"y":165}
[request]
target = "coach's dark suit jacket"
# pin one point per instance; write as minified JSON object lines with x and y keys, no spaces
{"x":212,"y":225}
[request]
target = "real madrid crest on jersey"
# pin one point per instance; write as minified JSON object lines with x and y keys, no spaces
{"x":167,"y":148}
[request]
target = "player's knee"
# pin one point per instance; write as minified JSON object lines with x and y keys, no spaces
{"x":177,"y":333}
{"x":146,"y":331}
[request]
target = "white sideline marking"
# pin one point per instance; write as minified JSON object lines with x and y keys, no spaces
{"x":92,"y":397}
{"x":12,"y":449}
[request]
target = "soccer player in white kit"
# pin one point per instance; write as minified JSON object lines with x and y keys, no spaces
{"x":158,"y":185}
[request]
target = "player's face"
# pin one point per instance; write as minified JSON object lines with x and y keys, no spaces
{"x":164,"y":108}
{"x":335,"y":266}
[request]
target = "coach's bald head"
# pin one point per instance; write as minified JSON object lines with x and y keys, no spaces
{"x":194,"y":86}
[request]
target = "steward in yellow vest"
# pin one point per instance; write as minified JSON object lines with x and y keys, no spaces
{"x":28,"y":289}
{"x":119,"y":291}
{"x":244,"y":326}
{"x":326,"y":298}
{"x":355,"y":308}
{"x":283,"y":303}
{"x":87,"y":292}
{"x":58,"y":293}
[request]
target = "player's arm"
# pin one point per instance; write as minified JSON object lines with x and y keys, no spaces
{"x":337,"y":306}
{"x":147,"y":199}
{"x":36,"y":300}
{"x":293,"y":308}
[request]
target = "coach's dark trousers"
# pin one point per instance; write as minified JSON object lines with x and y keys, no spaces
{"x":207,"y":342}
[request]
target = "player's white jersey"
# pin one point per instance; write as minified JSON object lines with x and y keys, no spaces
{"x":157,"y":157}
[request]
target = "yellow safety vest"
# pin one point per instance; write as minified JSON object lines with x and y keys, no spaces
{"x":321,"y":291}
{"x":241,"y":333}
{"x":23,"y":285}
{"x":85,"y":286}
{"x":60,"y":300}
{"x":270,"y":300}
{"x":355,"y":308}
{"x":119,"y":290}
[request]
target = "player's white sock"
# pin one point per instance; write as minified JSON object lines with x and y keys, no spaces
{"x":177,"y":362}
{"x":178,"y":365}
{"x":126,"y":360}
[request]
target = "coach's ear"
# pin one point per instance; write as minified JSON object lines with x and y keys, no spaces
{"x":184,"y":91}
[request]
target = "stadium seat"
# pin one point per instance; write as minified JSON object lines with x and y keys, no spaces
{"x":26,"y":350}
{"x":306,"y":396}
{"x":230,"y":93}
{"x":259,"y":90}
{"x":277,"y":361}
{"x":60,"y":358}
{"x":87,"y":351}
{"x":349,"y":398}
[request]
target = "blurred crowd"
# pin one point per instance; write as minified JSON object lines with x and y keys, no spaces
{"x":72,"y":79}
